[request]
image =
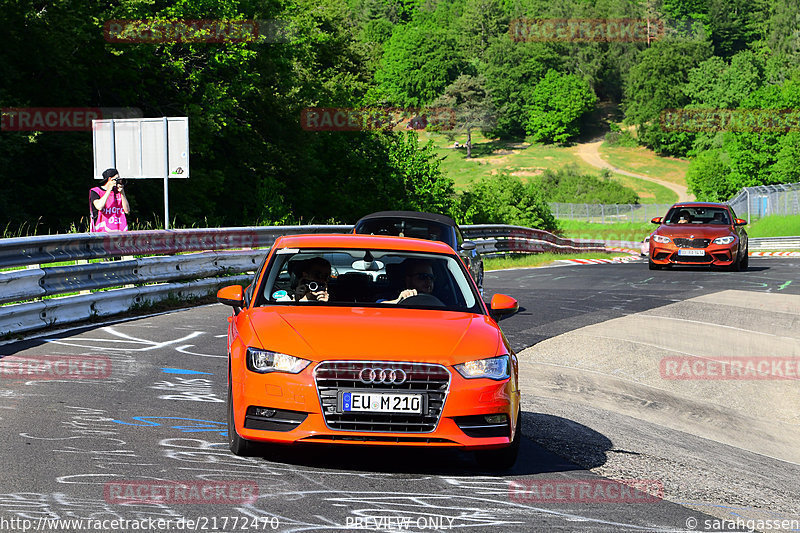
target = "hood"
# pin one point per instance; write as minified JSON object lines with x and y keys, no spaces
{"x":394,"y":334}
{"x":698,"y":231}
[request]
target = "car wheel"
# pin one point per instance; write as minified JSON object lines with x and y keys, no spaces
{"x":746,"y":258}
{"x":652,"y":265}
{"x":238,"y":445}
{"x":504,"y":458}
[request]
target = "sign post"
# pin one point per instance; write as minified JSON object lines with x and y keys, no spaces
{"x":143,"y":148}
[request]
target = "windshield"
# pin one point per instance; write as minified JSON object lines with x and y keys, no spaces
{"x":367,"y":278}
{"x":698,"y":215}
{"x":402,"y":227}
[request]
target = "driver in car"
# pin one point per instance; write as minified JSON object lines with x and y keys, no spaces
{"x":419,"y":280}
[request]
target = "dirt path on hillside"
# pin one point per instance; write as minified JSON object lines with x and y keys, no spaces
{"x":590,"y":153}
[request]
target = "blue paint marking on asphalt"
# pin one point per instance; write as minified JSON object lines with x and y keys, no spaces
{"x":203,"y":425}
{"x":184,"y":371}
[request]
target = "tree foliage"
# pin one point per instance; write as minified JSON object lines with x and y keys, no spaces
{"x":504,"y":199}
{"x":556,"y":105}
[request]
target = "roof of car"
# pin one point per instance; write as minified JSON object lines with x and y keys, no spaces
{"x":434,"y":217}
{"x":349,"y":240}
{"x":699,"y":204}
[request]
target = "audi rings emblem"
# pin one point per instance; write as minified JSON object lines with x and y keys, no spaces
{"x":386,"y":376}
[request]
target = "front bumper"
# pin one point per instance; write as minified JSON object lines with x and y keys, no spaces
{"x":714,"y":254}
{"x":299,"y":417}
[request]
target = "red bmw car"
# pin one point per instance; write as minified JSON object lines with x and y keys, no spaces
{"x":370,"y":340}
{"x":699,"y":234}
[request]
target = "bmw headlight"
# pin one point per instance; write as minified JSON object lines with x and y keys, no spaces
{"x":264,"y":361}
{"x":494,"y":368}
{"x":724,"y":240}
{"x":661,"y":239}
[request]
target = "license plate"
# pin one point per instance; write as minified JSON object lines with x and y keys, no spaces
{"x":380,"y":402}
{"x":689,"y":251}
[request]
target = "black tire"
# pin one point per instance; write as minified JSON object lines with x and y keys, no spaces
{"x":503,"y":458}
{"x":746,"y":259}
{"x":652,"y":266}
{"x":736,"y":266}
{"x":238,"y":445}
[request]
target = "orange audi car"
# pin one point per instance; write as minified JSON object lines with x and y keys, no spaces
{"x":356,"y":339}
{"x":699,"y":233}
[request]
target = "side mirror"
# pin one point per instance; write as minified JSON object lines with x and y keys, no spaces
{"x":231,"y":295}
{"x":656,"y":220}
{"x":503,"y":305}
{"x":468,"y":245}
{"x":740,"y":222}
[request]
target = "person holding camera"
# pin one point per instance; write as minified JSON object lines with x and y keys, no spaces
{"x":108,"y":204}
{"x":312,"y":284}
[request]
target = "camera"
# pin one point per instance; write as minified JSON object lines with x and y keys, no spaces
{"x":313,"y":286}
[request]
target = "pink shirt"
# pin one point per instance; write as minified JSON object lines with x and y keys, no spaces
{"x":112,"y":216}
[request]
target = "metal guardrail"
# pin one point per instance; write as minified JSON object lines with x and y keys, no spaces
{"x":773,"y":243}
{"x":180,"y":264}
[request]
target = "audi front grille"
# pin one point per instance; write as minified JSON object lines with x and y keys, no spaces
{"x":430,"y":379}
{"x":691,"y":243}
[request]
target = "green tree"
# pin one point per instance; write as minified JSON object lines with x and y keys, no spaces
{"x":472,"y":107}
{"x":556,"y":106}
{"x":655,"y":84}
{"x":511,"y":70}
{"x":707,"y":177}
{"x":419,"y":61}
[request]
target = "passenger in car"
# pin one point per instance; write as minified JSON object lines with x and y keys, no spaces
{"x":311,"y":285}
{"x":419,"y":279}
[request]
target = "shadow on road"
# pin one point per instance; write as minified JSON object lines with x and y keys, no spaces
{"x":533,"y":458}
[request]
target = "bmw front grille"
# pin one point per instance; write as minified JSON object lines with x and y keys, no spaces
{"x":382,"y":376}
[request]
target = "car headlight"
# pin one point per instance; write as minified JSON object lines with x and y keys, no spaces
{"x":661,"y":239}
{"x":724,"y":240}
{"x":494,"y":368}
{"x":264,"y":361}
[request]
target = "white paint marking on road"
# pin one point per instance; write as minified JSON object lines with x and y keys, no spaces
{"x":125,"y":338}
{"x":183,"y":349}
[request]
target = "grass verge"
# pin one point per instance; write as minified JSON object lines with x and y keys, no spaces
{"x":775,"y":226}
{"x":537,"y":260}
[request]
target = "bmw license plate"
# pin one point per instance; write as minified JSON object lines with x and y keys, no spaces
{"x":690,"y":251}
{"x":380,"y":402}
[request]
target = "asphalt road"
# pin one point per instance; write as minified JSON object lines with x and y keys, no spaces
{"x":157,"y":413}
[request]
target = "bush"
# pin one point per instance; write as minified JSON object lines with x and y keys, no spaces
{"x":570,"y":186}
{"x":621,"y":138}
{"x":504,"y":199}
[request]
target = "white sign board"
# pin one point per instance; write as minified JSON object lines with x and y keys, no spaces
{"x":142,"y":147}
